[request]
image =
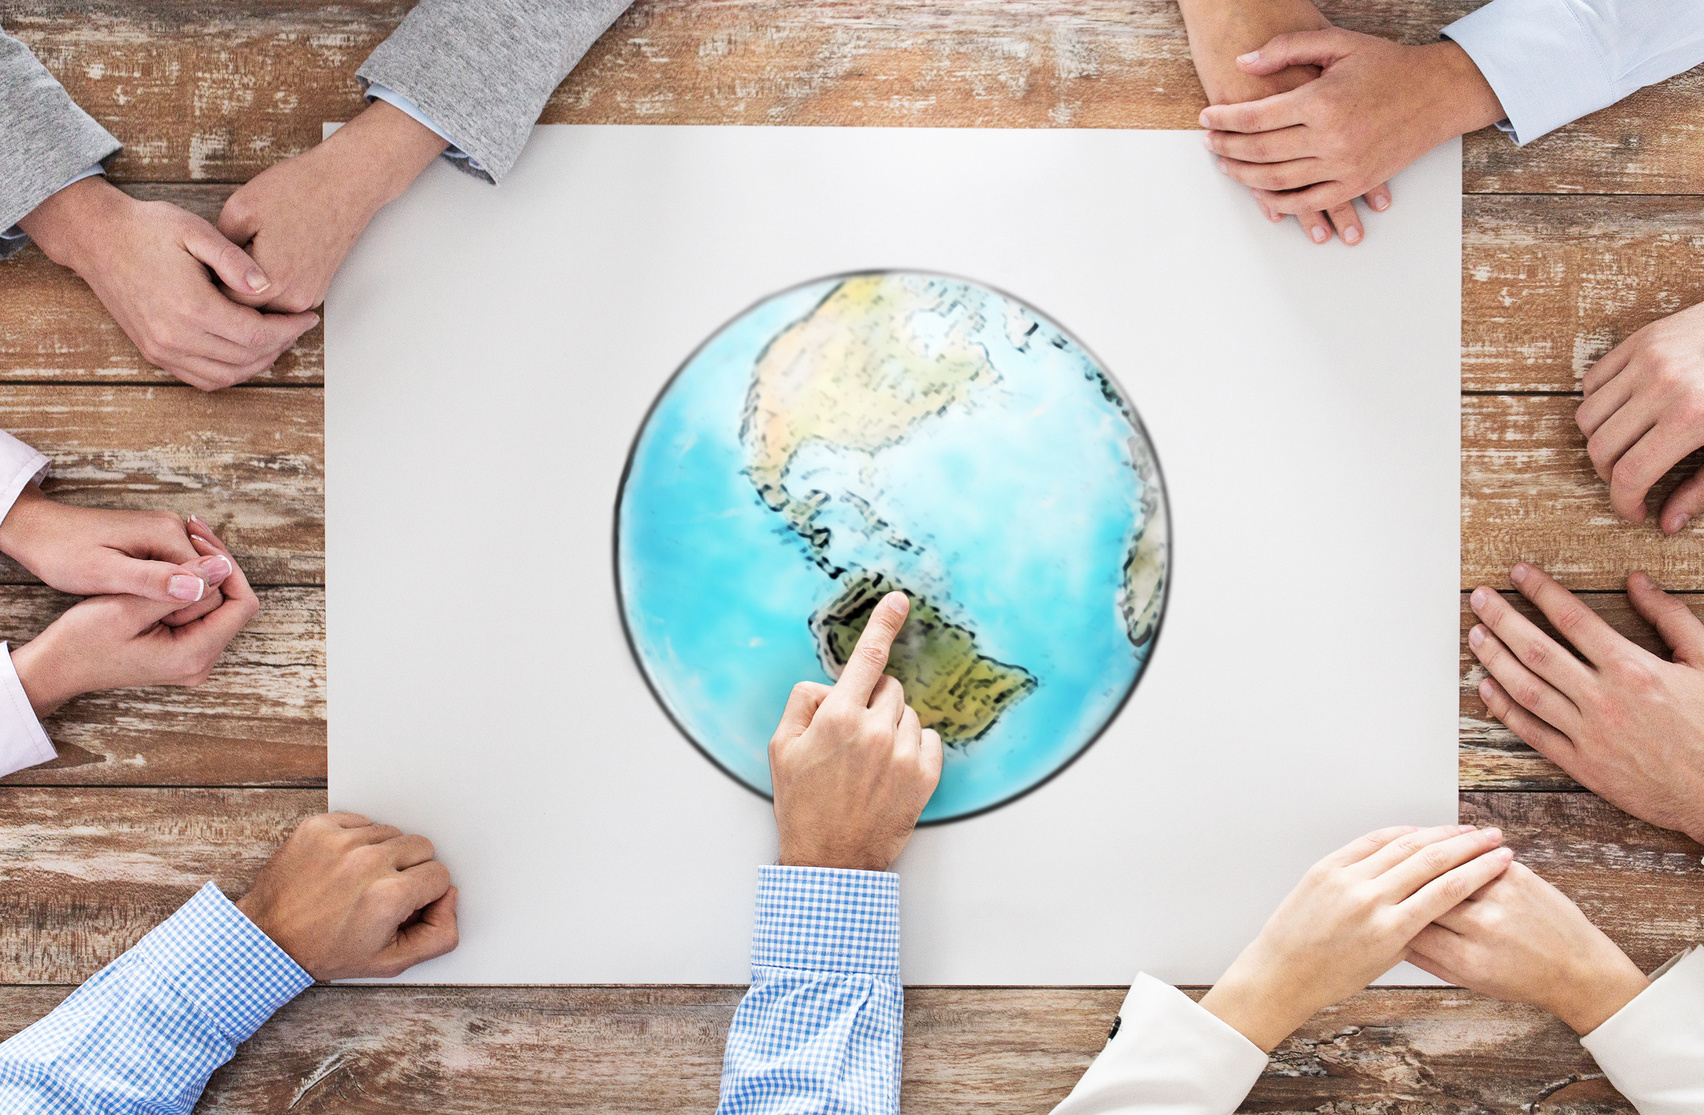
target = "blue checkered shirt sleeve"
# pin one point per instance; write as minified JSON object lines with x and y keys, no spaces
{"x":819,"y":1031}
{"x":145,"y":1033}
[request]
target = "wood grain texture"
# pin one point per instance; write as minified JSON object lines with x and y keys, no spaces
{"x":249,"y":460}
{"x":258,"y":721}
{"x":191,"y":111}
{"x":1528,"y":493}
{"x":1551,"y":284}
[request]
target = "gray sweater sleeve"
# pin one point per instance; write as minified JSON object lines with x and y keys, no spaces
{"x":45,"y":138}
{"x":482,"y":69}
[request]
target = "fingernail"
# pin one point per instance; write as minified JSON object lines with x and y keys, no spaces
{"x":214,"y":569}
{"x":1466,"y":828}
{"x":1481,"y":597}
{"x":1476,"y":636}
{"x":1680,"y":524}
{"x":257,"y":280}
{"x":1485,"y":691}
{"x":1380,"y":202}
{"x":1504,"y":853}
{"x":1519,"y":573}
{"x":1202,"y":119}
{"x":1251,"y":56}
{"x":1207,"y":141}
{"x":184,"y":587}
{"x":1319,"y":234}
{"x":1351,"y":235}
{"x":197,"y":520}
{"x":1224,"y":167}
{"x":1494,"y":833}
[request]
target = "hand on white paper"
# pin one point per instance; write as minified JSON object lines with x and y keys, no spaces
{"x":148,"y":263}
{"x":1220,"y":31}
{"x":1376,"y":107}
{"x":114,"y":642}
{"x":347,"y":899}
{"x":1519,"y":938}
{"x":1348,"y":921}
{"x":94,"y":552}
{"x":300,"y":217}
{"x":1644,"y":413}
{"x":1624,"y":723}
{"x":851,"y":764}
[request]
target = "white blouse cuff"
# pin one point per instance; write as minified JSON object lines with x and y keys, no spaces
{"x":1652,"y":1049}
{"x":23,"y":743}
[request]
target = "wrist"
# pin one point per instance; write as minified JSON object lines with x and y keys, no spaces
{"x":1464,"y":101}
{"x":1592,"y":996}
{"x":71,"y":225}
{"x":45,"y":682}
{"x":796,"y":854}
{"x":1256,"y":1008}
{"x":389,"y":149}
{"x":21,"y":521}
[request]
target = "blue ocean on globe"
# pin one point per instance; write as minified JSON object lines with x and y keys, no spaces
{"x":896,"y":430}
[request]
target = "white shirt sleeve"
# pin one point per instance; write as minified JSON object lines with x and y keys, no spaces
{"x":1167,"y":1056}
{"x":19,"y":465}
{"x":1652,"y":1049}
{"x":23,"y":743}
{"x":1553,"y":61}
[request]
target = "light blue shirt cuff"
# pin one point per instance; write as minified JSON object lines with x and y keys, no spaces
{"x":1551,"y":62}
{"x":218,"y":960}
{"x":827,"y":920}
{"x":377,"y":92}
{"x":16,"y":233}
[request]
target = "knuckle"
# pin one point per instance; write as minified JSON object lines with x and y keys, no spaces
{"x":1571,"y":617}
{"x":1537,"y":655}
{"x":1527,"y":693}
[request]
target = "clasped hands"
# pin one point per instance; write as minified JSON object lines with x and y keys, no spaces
{"x":164,"y":597}
{"x":188,"y":295}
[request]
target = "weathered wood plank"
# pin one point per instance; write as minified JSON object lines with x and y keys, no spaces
{"x":195,"y":111}
{"x":1550,"y":284}
{"x":1528,"y":493}
{"x":1004,"y":1051}
{"x":249,"y":460}
{"x":259,"y":720}
{"x":1494,"y":758}
{"x":87,"y":871}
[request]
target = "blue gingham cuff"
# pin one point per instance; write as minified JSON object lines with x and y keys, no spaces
{"x":222,"y":964}
{"x":827,"y":919}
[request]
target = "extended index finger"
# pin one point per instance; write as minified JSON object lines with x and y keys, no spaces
{"x":870,"y":657}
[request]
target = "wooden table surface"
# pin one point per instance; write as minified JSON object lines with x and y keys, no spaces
{"x":1569,"y":245}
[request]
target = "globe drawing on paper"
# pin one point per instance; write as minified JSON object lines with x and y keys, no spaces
{"x":896,"y":430}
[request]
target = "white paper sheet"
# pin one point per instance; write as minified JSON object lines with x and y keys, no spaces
{"x":490,"y":354}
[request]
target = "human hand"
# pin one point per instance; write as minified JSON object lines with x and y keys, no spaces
{"x":851,"y":764}
{"x":1520,"y":938}
{"x":347,"y":898}
{"x":1218,"y":33}
{"x":1376,"y":107}
{"x":147,"y":262}
{"x":300,"y":217}
{"x":1349,"y":921}
{"x":1624,"y":723}
{"x":1644,"y":412}
{"x":92,"y":552}
{"x":114,"y":642}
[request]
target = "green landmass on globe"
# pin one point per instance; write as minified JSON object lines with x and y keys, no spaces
{"x":955,"y":689}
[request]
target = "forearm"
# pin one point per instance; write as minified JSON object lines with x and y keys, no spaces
{"x":1222,"y":30}
{"x":386,"y":150}
{"x":45,"y":138}
{"x":144,"y":1034}
{"x":820,"y":1029}
{"x":1652,"y":1049}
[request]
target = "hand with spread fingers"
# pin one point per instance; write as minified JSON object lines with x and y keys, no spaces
{"x":1219,"y":32}
{"x":347,"y":898}
{"x":851,"y":764}
{"x":1375,"y":107}
{"x":148,"y":262}
{"x":1643,"y":413}
{"x":114,"y":642}
{"x":1623,"y":722}
{"x":94,"y":552}
{"x":1350,"y":920}
{"x":1519,"y":938}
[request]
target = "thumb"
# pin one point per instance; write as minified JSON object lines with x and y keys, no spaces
{"x":1297,"y":48}
{"x":432,"y":935}
{"x":117,"y":571}
{"x":233,"y":265}
{"x":1683,"y":503}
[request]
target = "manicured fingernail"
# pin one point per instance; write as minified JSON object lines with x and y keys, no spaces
{"x":214,"y":569}
{"x":1485,"y":691}
{"x":197,"y":520}
{"x":185,"y":587}
{"x":1476,"y":636}
{"x":1504,"y":853}
{"x":1351,"y":235}
{"x":1319,"y":234}
{"x":1380,"y":202}
{"x":257,"y":280}
{"x":1519,"y":573}
{"x":1249,"y":58}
